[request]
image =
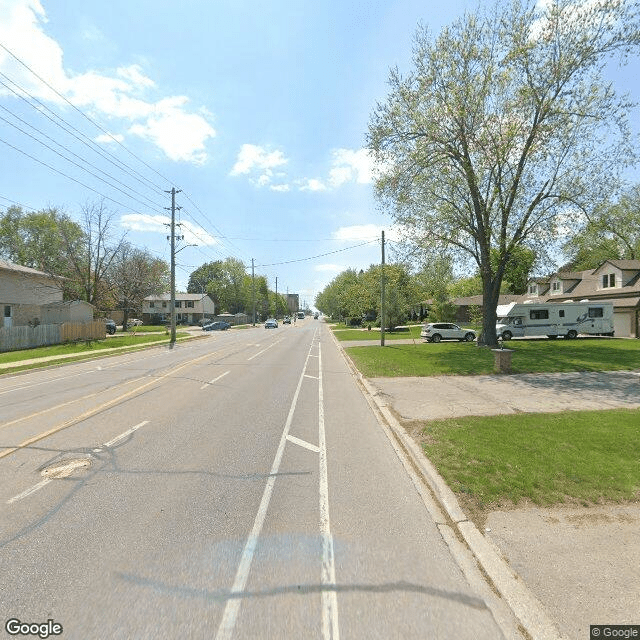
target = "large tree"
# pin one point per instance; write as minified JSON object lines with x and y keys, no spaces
{"x":504,"y":128}
{"x":133,"y":275}
{"x":610,"y":232}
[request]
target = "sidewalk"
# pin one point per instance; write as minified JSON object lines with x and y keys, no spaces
{"x":580,"y":563}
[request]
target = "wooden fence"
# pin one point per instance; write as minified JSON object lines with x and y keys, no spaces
{"x":14,"y":338}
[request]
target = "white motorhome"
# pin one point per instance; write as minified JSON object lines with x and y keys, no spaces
{"x":554,"y":319}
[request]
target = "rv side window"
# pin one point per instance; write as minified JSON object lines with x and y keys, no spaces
{"x":539,"y":314}
{"x":595,"y":312}
{"x":561,"y":313}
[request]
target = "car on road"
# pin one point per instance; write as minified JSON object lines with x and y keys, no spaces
{"x":436,"y":331}
{"x":271,"y":323}
{"x":219,"y":325}
{"x":110,"y":326}
{"x":286,"y":320}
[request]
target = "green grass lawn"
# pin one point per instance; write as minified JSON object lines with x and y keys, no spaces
{"x":350,"y":333}
{"x":81,"y":349}
{"x":584,"y":456}
{"x":466,"y":358}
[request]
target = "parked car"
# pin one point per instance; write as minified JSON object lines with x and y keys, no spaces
{"x":110,"y":326}
{"x":134,"y":322}
{"x":219,"y":325}
{"x":286,"y":320}
{"x":271,"y":323}
{"x":436,"y":331}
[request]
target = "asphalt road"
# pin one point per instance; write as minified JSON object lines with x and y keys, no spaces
{"x":237,"y":486}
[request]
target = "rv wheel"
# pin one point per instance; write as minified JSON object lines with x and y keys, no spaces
{"x":572,"y":334}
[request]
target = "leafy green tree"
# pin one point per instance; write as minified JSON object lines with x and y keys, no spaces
{"x":611,"y":232}
{"x":504,"y":129}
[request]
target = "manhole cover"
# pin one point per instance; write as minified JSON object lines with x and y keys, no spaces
{"x":65,"y":468}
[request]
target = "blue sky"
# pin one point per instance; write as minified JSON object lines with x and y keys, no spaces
{"x":257,"y":110}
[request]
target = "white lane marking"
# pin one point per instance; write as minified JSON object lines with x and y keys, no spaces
{"x":303,"y":443}
{"x":312,"y":377}
{"x":230,"y":615}
{"x":330,"y":628}
{"x":267,"y":349}
{"x":206,"y":384}
{"x":28,"y":492}
{"x":125,"y":434}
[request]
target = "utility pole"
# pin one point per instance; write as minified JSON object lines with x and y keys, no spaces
{"x":173,"y":192}
{"x":253,"y":292}
{"x":382,"y":295}
{"x":276,"y":297}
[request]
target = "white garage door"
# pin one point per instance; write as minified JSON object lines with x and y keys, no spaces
{"x":622,"y":323}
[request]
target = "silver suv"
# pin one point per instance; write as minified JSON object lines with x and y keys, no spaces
{"x":436,"y":331}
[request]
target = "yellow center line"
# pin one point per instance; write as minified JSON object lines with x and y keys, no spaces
{"x":99,"y":408}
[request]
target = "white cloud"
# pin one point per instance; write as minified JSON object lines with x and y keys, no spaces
{"x":312,"y":184}
{"x":280,"y":187}
{"x":350,"y":165}
{"x":252,"y":157}
{"x":160,"y":224}
{"x":167,"y":122}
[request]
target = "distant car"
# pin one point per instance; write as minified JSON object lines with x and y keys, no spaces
{"x":271,"y":323}
{"x":436,"y":331}
{"x":219,"y":325}
{"x":110,"y":326}
{"x":134,"y":322}
{"x":315,"y":315}
{"x":286,"y":320}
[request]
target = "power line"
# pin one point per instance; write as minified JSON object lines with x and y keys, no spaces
{"x":84,"y":115}
{"x":321,"y":255}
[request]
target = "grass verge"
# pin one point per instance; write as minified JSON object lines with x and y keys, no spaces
{"x":465,"y":358}
{"x":72,"y":352}
{"x":494,"y":462}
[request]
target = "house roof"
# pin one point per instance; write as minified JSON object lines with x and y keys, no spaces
{"x":625,"y":265}
{"x":571,"y":275}
{"x":179,"y":296}
{"x":10,"y":266}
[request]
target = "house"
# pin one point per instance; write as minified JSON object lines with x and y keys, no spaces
{"x":615,"y":281}
{"x":76,"y":311}
{"x":191,"y":308}
{"x":24,"y":292}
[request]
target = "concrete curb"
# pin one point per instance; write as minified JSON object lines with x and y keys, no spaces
{"x":526,"y":608}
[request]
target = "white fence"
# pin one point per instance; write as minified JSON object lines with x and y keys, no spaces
{"x":15,"y":338}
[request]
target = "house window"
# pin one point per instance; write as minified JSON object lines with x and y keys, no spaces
{"x":612,"y":279}
{"x":178,"y":304}
{"x":189,"y":304}
{"x":7,"y":311}
{"x":595,"y":312}
{"x":608,"y":280}
{"x":556,"y":286}
{"x":164,"y":305}
{"x":533,"y":289}
{"x":539,"y":314}
{"x":151,"y":305}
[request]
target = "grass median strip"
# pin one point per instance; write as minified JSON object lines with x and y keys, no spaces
{"x":497,"y":461}
{"x":466,"y":358}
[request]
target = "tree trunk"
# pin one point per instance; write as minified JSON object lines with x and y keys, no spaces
{"x":490,"y":296}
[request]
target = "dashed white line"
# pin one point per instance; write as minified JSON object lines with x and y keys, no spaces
{"x":255,"y":355}
{"x":128,"y":432}
{"x":207,"y":384}
{"x":28,"y":492}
